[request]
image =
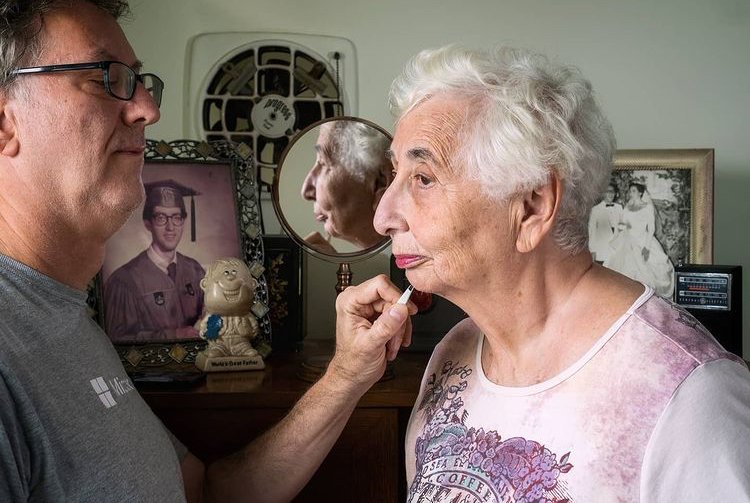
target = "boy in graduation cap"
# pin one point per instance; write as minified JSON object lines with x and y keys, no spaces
{"x":157,"y":295}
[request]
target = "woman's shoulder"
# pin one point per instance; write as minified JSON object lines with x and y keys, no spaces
{"x":462,"y":338}
{"x":458,"y":346}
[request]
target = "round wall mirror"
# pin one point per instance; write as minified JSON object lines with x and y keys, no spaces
{"x":328,"y":183}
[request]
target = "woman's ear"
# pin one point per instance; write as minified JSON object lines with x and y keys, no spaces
{"x":9,"y":145}
{"x":538,"y":211}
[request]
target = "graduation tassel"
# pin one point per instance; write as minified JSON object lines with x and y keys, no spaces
{"x":192,"y":219}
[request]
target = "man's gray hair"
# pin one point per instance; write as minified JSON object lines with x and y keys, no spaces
{"x":20,"y":25}
{"x":358,"y":147}
{"x":527,"y":118}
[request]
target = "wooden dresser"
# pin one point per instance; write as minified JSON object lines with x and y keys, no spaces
{"x":225,"y":412}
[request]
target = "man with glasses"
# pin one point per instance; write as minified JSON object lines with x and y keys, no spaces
{"x":118,"y":79}
{"x":157,"y":294}
{"x":73,"y":110}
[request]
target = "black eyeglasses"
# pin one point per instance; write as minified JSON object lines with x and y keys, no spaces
{"x":161,"y":219}
{"x":119,"y":79}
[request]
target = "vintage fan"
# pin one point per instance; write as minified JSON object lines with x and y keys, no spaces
{"x":263,"y":93}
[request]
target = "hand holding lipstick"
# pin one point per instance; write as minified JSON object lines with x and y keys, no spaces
{"x":371,"y":325}
{"x":405,"y":296}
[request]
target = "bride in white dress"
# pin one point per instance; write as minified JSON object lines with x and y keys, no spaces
{"x":636,"y":251}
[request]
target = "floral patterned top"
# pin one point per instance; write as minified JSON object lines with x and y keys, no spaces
{"x":633,"y":420}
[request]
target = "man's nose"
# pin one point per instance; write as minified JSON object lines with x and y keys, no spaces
{"x":142,"y":108}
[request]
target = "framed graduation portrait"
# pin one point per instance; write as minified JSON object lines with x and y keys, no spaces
{"x":200,"y":205}
{"x":656,"y":213}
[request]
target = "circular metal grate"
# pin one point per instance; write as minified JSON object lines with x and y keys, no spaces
{"x":263,"y":93}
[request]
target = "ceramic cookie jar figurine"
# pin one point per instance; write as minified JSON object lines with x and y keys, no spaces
{"x":228,"y":323}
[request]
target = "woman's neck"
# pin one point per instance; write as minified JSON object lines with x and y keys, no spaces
{"x":547,"y":323}
{"x":637,"y":205}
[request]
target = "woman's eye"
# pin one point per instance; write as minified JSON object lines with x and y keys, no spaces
{"x":423,"y":180}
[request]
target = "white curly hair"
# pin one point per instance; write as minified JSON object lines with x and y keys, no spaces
{"x":528,"y":118}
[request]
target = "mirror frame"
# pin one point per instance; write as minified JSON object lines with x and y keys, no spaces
{"x":338,"y":258}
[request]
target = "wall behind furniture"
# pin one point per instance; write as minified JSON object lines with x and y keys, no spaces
{"x":668,"y":73}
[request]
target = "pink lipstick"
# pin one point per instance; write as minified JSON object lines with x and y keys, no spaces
{"x":404,"y":261}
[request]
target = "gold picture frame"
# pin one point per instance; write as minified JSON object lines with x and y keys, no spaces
{"x":656,"y":214}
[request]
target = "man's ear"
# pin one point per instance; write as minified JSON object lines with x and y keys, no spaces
{"x":148,"y":225}
{"x":9,"y":144}
{"x":538,"y":211}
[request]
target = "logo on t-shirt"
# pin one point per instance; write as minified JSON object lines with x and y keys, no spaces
{"x":460,"y":463}
{"x":107,"y":391}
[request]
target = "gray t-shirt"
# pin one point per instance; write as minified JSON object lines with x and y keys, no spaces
{"x":72,"y":426}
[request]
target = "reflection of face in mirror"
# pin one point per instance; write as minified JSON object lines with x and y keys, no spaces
{"x":350,"y":174}
{"x":329,"y":182}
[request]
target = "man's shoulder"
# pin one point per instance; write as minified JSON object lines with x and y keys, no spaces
{"x":126,"y":272}
{"x":598,"y":206}
{"x":189,"y":262}
{"x":135,"y":262}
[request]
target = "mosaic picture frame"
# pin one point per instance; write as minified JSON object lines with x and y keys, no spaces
{"x":218,"y":178}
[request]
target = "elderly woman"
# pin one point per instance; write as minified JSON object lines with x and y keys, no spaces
{"x":350,"y":173}
{"x":568,"y":381}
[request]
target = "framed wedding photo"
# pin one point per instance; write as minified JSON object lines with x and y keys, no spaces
{"x":656,"y":213}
